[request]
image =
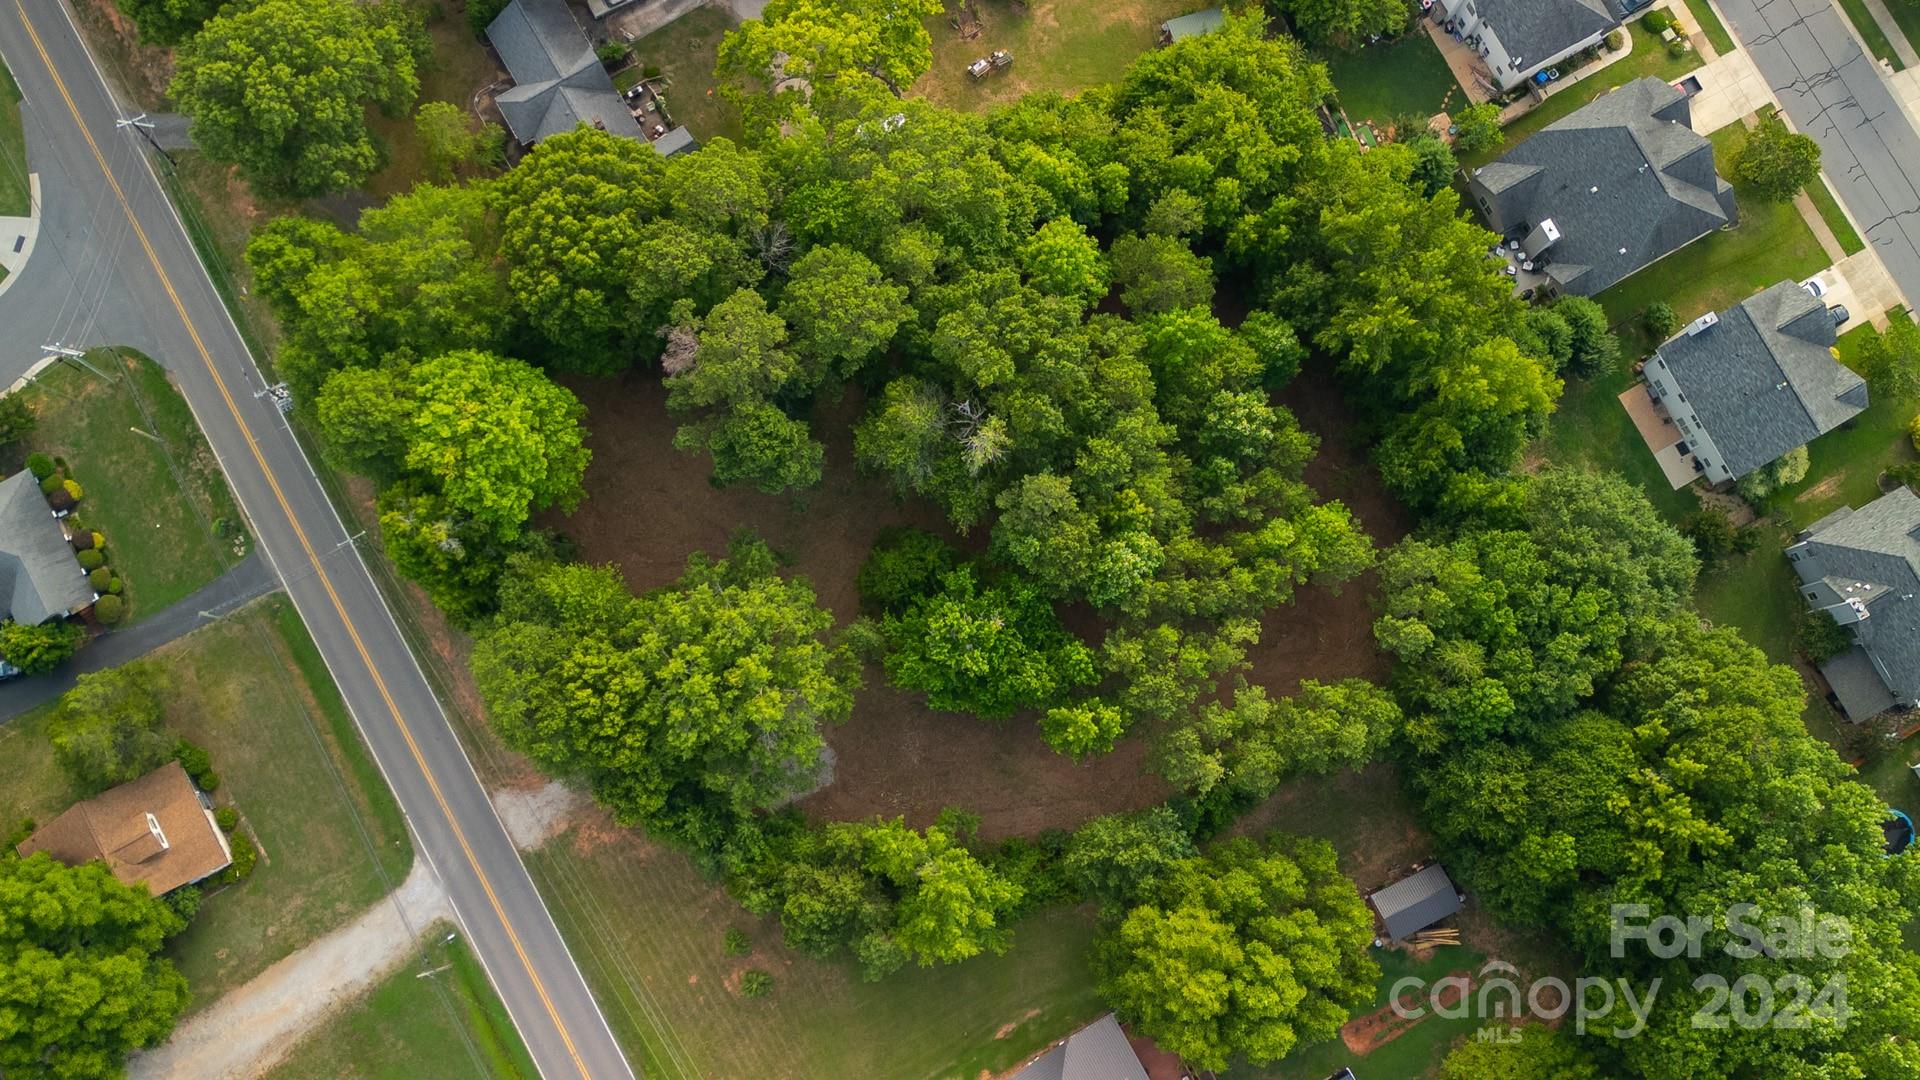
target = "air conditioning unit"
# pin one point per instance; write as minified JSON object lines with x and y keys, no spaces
{"x":1704,"y":322}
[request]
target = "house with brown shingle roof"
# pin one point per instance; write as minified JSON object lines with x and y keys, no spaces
{"x":155,"y":831}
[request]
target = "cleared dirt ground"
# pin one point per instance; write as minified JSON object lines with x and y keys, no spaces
{"x":648,"y":506}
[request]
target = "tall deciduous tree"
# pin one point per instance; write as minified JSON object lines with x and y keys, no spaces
{"x":36,"y":650}
{"x":282,"y":89}
{"x":819,"y":41}
{"x":107,"y":730}
{"x":1246,"y":952}
{"x":1891,"y":361}
{"x":498,"y":438}
{"x":575,"y":236}
{"x":841,"y":311}
{"x":1776,"y":162}
{"x":687,"y":708}
{"x":82,"y":981}
{"x":990,"y":650}
{"x":1346,"y":22}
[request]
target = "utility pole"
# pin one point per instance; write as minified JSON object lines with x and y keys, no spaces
{"x":145,"y":127}
{"x":74,"y":356}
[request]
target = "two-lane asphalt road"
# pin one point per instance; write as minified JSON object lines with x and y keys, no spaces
{"x":142,"y":276}
{"x":1834,"y":92}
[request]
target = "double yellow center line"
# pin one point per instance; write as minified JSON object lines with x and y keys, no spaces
{"x":306,"y":546}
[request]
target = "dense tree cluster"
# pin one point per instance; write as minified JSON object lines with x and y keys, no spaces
{"x":1245,"y":952}
{"x":109,"y":728}
{"x":686,"y":709}
{"x":281,"y":88}
{"x":81,"y":978}
{"x":1582,"y":742}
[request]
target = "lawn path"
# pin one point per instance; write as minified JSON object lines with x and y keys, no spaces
{"x":249,"y":1030}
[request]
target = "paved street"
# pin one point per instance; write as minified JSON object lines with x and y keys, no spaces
{"x":1833,"y":92}
{"x":148,"y":289}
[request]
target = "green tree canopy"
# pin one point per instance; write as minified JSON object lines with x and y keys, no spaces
{"x":991,"y":650}
{"x":1246,"y":952}
{"x":108,"y":729}
{"x":499,"y":439}
{"x":282,"y":89}
{"x":685,"y":708}
{"x":1346,"y":22}
{"x":81,"y":978}
{"x":36,"y":650}
{"x":1120,"y":858}
{"x":1891,"y":361}
{"x":1776,"y":162}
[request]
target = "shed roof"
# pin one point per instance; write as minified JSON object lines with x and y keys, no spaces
{"x":39,"y":575}
{"x":1099,"y":1051}
{"x":558,"y":82}
{"x":677,"y":141}
{"x":118,"y":827}
{"x":1193,"y":24}
{"x":1416,"y":902}
{"x":1625,"y":179}
{"x":1763,"y":379}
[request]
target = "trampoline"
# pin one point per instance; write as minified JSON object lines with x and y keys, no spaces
{"x":1898,"y":829}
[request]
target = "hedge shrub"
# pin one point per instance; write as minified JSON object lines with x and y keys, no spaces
{"x":115,"y":586}
{"x":98,"y":578}
{"x":73,"y":488}
{"x":228,"y":818}
{"x":736,"y":942}
{"x":198,"y":765}
{"x":110,"y":609}
{"x":245,"y":855}
{"x":49,"y":485}
{"x":91,"y":560}
{"x":755,"y":983}
{"x":40,"y":465}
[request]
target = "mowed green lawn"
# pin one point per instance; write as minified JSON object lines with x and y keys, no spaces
{"x":1869,"y":29}
{"x":1419,"y":1048}
{"x":251,"y":689}
{"x":437,"y":1016}
{"x":14,"y":193}
{"x":1059,"y":45}
{"x":685,"y":51}
{"x":1407,"y":77}
{"x":150,"y":482}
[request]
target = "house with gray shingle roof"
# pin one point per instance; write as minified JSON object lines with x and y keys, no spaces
{"x":1517,"y":38}
{"x":40,"y":578}
{"x":1862,"y":567}
{"x":1099,"y":1051}
{"x":558,"y":82}
{"x":1615,"y":185}
{"x":1747,"y":385}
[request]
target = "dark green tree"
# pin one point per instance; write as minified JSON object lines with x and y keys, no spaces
{"x":109,"y":729}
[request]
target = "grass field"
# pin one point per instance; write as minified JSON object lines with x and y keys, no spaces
{"x":1870,"y":32}
{"x":1771,"y":243}
{"x":1836,"y":219}
{"x":1709,"y":24}
{"x":685,"y":51}
{"x":457,"y":67}
{"x":1908,"y":16}
{"x":1407,"y":77}
{"x":152,"y":485}
{"x":1059,"y":45}
{"x":13,"y":150}
{"x":1647,"y":58}
{"x":1414,"y":1053}
{"x":251,"y":689}
{"x":416,"y":1025}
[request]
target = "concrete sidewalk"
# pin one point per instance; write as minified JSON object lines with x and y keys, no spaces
{"x":251,"y":579}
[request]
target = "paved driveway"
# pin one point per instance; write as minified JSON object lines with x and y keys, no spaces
{"x":1834,"y":92}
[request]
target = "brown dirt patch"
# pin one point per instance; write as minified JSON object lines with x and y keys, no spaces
{"x":1365,"y":1034}
{"x":1822,"y":489}
{"x":1012,"y":1026}
{"x":649,"y":505}
{"x":142,"y":72}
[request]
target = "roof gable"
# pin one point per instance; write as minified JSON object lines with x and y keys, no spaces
{"x":1416,"y":902}
{"x":1534,"y":31}
{"x":1624,"y":178}
{"x":559,"y":83}
{"x":39,"y":575}
{"x":1879,"y":543}
{"x":150,"y":831}
{"x":1763,"y":379}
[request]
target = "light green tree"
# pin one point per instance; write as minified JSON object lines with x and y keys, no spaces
{"x":109,"y":729}
{"x":1775,"y":161}
{"x":282,"y":89}
{"x":82,"y":981}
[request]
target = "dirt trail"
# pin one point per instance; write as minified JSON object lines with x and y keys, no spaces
{"x":248,"y":1031}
